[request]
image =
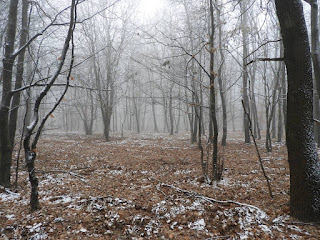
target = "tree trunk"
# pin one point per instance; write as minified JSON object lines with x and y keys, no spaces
{"x":255,"y":118}
{"x":302,"y":155}
{"x":19,"y":76}
{"x":221,"y":86}
{"x":155,"y":125}
{"x":245,"y":97}
{"x":171,"y":111}
{"x":315,"y":43}
{"x":215,"y":163}
{"x":8,"y":60}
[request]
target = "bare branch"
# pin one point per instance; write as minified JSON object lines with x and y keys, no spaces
{"x":271,"y":41}
{"x":265,"y":60}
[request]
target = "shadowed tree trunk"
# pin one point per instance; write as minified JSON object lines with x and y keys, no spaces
{"x":302,"y":155}
{"x":216,"y":173}
{"x":8,"y":60}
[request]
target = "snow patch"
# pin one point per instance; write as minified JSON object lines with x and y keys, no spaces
{"x":198,"y":225}
{"x":9,"y":196}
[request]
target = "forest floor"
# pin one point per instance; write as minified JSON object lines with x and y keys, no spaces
{"x":150,"y":187}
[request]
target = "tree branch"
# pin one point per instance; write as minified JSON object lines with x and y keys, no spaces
{"x":265,"y":60}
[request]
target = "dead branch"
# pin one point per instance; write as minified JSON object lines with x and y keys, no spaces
{"x":265,"y":60}
{"x":271,"y":41}
{"x":62,"y":171}
{"x":255,"y":144}
{"x":208,"y":199}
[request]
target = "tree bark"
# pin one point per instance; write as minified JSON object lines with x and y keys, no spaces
{"x":215,"y":163}
{"x":8,"y":60}
{"x":19,"y":76}
{"x":302,"y":154}
{"x":221,"y":86}
{"x":244,"y":22}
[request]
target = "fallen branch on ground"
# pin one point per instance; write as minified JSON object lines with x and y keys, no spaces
{"x":62,"y":171}
{"x":208,"y":199}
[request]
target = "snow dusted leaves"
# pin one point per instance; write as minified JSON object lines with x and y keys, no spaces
{"x":90,"y":189}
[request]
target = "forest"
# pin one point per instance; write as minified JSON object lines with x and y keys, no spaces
{"x":159,"y":119}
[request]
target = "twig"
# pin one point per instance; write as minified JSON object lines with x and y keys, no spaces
{"x":313,"y":224}
{"x":255,"y":144}
{"x":265,"y":60}
{"x":272,"y":41}
{"x":219,"y":237}
{"x":62,"y":171}
{"x":158,"y":188}
{"x":316,"y":121}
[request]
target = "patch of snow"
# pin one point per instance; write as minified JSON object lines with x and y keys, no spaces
{"x":10,"y":217}
{"x":145,"y":172}
{"x":280,"y":220}
{"x":152,"y":227}
{"x":160,"y":208}
{"x":177,"y":210}
{"x":197,"y":205}
{"x":39,"y":236}
{"x":293,"y":236}
{"x":116,"y":172}
{"x":182,"y":172}
{"x":58,"y":220}
{"x":266,"y":229}
{"x":173,"y":225}
{"x":9,"y":196}
{"x":295,"y":228}
{"x":53,"y":180}
{"x":198,"y":225}
{"x":111,"y":217}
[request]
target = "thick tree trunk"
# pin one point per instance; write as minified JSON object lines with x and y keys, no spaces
{"x":8,"y":60}
{"x":302,"y":155}
{"x":19,"y":76}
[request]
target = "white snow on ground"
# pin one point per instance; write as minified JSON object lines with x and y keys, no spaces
{"x":9,"y":196}
{"x":169,"y":211}
{"x":198,"y":225}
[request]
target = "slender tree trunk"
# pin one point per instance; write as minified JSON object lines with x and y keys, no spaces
{"x":255,"y":118}
{"x":315,"y":43}
{"x":155,"y":125}
{"x":244,"y":22}
{"x":221,"y":86}
{"x":215,"y":163}
{"x":171,"y":111}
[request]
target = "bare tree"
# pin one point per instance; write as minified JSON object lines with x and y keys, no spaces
{"x":29,"y":143}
